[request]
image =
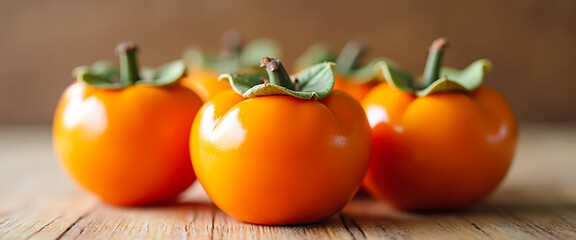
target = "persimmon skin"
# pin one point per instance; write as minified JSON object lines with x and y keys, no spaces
{"x":445,"y":151}
{"x":279,"y":160}
{"x":129,"y":147}
{"x":357,"y":90}
{"x":205,"y":83}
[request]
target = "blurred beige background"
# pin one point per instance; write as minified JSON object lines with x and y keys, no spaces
{"x":532,"y":43}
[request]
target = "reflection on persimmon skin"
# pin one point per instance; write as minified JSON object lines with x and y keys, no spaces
{"x":227,"y":131}
{"x":499,"y":136}
{"x":376,"y":115}
{"x":86,"y":111}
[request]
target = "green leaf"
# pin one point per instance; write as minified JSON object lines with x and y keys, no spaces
{"x":103,"y":69}
{"x":101,"y":74}
{"x":272,"y":89}
{"x":442,"y":85}
{"x":97,"y":81}
{"x":369,"y":72}
{"x":399,"y":79}
{"x":242,"y":81}
{"x":257,"y":49}
{"x":458,"y":81}
{"x":317,"y":53}
{"x":315,"y":82}
{"x":318,"y":78}
{"x":471,"y":77}
{"x":164,"y":75}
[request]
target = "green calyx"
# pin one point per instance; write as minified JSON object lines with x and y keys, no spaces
{"x":103,"y":74}
{"x":315,"y":82}
{"x":234,"y":55}
{"x":437,"y":79}
{"x":347,"y":62}
{"x":317,"y":53}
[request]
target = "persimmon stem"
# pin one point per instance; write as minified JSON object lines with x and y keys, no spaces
{"x":276,"y":73}
{"x":434,"y":62}
{"x":350,"y":55}
{"x":128,"y":62}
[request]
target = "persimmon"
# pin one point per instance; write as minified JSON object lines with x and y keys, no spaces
{"x":442,"y":143}
{"x":281,"y":150}
{"x":123,"y":134}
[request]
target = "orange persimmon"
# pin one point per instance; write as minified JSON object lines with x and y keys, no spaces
{"x":442,"y":145}
{"x":285,"y":151}
{"x":125,"y":138}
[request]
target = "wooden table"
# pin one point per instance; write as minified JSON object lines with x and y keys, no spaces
{"x":37,"y":201}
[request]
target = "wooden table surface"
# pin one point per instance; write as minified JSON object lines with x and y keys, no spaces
{"x":37,"y":201}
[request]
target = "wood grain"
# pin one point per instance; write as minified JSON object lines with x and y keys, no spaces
{"x":37,"y":201}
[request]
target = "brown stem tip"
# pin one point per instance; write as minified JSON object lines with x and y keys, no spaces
{"x":439,"y":44}
{"x":271,"y":64}
{"x":126,"y":47}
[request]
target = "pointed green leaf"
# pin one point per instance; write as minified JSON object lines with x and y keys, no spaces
{"x":101,"y":74}
{"x":104,"y":75}
{"x":242,"y":81}
{"x":399,"y":79}
{"x":317,"y":53}
{"x":442,"y":85}
{"x":471,"y":77}
{"x":164,"y":75}
{"x":318,"y":78}
{"x":369,"y":72}
{"x":100,"y":82}
{"x":257,"y":49}
{"x":315,"y":82}
{"x":103,"y":69}
{"x":459,"y":81}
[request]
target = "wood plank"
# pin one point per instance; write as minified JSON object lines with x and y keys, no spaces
{"x":37,"y":201}
{"x":46,"y":217}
